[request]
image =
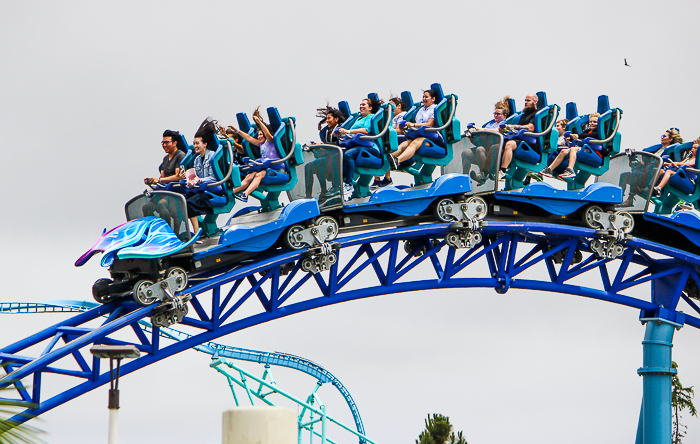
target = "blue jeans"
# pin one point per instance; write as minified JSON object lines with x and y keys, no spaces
{"x":349,"y":158}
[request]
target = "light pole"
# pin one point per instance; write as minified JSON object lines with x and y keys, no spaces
{"x":113,"y":352}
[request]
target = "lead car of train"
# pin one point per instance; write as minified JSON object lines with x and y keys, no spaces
{"x":153,"y":255}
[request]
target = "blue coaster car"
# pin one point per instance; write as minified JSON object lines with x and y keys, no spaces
{"x":563,"y":202}
{"x":478,"y":156}
{"x":388,"y":206}
{"x":155,"y":243}
{"x":685,"y":222}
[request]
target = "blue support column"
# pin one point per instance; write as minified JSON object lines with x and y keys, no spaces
{"x":655,"y":416}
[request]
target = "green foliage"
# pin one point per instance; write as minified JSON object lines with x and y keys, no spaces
{"x":438,"y":430}
{"x":10,"y":431}
{"x":681,"y":399}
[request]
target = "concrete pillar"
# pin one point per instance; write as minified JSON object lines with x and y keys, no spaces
{"x":260,"y":425}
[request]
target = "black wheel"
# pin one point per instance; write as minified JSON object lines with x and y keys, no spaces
{"x":329,"y":226}
{"x":307,"y":264}
{"x":589,"y":216}
{"x":141,"y":294}
{"x":292,"y":239}
{"x":443,"y":211}
{"x":100,"y":290}
{"x":180,"y":275}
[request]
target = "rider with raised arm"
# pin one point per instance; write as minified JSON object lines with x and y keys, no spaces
{"x":268,"y":151}
{"x":170,"y":168}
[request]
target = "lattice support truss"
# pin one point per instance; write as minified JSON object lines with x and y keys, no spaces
{"x":520,"y":255}
{"x":313,"y":410}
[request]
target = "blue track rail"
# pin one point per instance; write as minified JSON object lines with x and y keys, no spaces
{"x":509,"y":249}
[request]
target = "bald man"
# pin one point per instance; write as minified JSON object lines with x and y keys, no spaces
{"x":527,"y":123}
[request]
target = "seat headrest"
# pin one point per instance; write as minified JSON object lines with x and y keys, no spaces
{"x":407,"y":99}
{"x":541,"y":99}
{"x":571,"y":111}
{"x":243,"y":122}
{"x":603,"y":104}
{"x":345,"y":109}
{"x":373,"y":97}
{"x":274,"y":117}
{"x":182,"y":143}
{"x":511,"y":107}
{"x":439,"y":95}
{"x":213,"y":143}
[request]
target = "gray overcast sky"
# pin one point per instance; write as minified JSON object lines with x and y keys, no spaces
{"x":88,"y":87}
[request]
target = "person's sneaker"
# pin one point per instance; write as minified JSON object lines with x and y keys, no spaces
{"x":243,"y":197}
{"x":479,"y":178}
{"x":685,"y":206}
{"x":376,"y":184}
{"x":536,"y":176}
{"x":501,"y":176}
{"x":567,"y":174}
{"x":547,"y":172}
{"x":656,"y":192}
{"x":348,"y":189}
{"x":386,"y":182}
{"x":393,"y":162}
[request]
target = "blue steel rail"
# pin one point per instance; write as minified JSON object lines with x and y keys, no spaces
{"x":212,"y":348}
{"x":509,"y":249}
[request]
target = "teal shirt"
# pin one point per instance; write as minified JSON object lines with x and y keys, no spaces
{"x":363,"y":122}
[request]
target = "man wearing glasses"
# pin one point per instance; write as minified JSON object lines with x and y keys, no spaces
{"x":170,"y":168}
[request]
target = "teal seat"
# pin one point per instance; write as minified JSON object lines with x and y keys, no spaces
{"x":431,"y":155}
{"x":682,"y":186}
{"x":385,"y":138}
{"x":607,"y":144}
{"x":531,"y":155}
{"x":220,"y":196}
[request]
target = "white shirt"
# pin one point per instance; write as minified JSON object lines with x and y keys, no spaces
{"x":395,"y":121}
{"x":424,"y":114}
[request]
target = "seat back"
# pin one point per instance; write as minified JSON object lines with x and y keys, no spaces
{"x":511,"y":106}
{"x":244,"y":125}
{"x":429,"y":157}
{"x":345,"y":110}
{"x":676,"y":151}
{"x":531,"y":155}
{"x":571,"y":111}
{"x":541,"y":100}
{"x":608,"y":127}
{"x":603,"y":104}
